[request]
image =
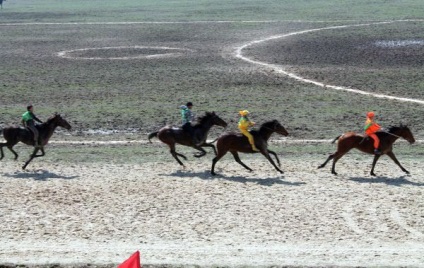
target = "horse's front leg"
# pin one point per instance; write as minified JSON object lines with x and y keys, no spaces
{"x":393,"y":157}
{"x":202,"y":152}
{"x":276,"y":157}
{"x":266,"y":154}
{"x":376,"y":157}
{"x":33,"y":155}
{"x":209,"y":145}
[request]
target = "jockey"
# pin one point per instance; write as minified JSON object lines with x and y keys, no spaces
{"x":28,"y":121}
{"x":243,"y":124}
{"x":187,"y":117}
{"x":370,"y":129}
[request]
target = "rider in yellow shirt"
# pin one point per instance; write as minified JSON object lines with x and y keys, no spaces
{"x":244,"y":124}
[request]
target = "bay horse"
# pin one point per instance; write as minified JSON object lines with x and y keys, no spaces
{"x":351,"y":140}
{"x":13,"y":135}
{"x":237,"y":142}
{"x":172,"y":135}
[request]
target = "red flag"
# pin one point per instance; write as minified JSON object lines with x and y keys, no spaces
{"x":132,"y":262}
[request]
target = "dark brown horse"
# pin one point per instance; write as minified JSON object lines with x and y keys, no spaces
{"x":13,"y":135}
{"x":171,"y":135}
{"x":351,"y":140}
{"x":237,"y":142}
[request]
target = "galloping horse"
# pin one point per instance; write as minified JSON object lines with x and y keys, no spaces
{"x":171,"y":136}
{"x":235,"y":142}
{"x":13,"y":135}
{"x":351,"y":140}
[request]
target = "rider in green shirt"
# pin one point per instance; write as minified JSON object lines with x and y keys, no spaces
{"x":28,"y":119}
{"x":187,"y":117}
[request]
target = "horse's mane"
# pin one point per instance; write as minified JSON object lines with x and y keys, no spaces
{"x":265,"y":126}
{"x":394,"y":128}
{"x":203,"y":119}
{"x":50,"y":119}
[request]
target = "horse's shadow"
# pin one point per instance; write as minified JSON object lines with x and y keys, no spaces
{"x":399,"y":181}
{"x":39,"y":175}
{"x":207,"y":176}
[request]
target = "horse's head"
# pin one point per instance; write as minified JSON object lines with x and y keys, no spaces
{"x":276,"y":127}
{"x":406,"y":133}
{"x":59,"y":121}
{"x":213,"y":118}
{"x":216,"y":120}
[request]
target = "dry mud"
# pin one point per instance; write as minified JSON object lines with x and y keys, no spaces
{"x":98,"y":214}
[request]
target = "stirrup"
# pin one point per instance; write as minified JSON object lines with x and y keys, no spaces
{"x":377,"y":151}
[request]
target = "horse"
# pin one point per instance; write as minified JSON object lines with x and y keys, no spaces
{"x":351,"y":140}
{"x":13,"y":135}
{"x":237,"y":142}
{"x":171,"y":135}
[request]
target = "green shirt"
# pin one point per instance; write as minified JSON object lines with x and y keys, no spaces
{"x":27,"y":116}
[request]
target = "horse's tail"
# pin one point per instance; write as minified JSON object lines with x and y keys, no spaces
{"x":152,"y":135}
{"x":336,"y":138}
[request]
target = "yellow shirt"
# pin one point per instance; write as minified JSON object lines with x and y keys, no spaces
{"x":244,"y":123}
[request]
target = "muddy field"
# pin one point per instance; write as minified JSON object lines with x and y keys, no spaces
{"x":94,"y":206}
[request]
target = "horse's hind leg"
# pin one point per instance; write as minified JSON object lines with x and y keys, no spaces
{"x":220,"y":154}
{"x":175,"y":154}
{"x":10,"y":147}
{"x":393,"y":157}
{"x":328,"y":159}
{"x":238,"y":160}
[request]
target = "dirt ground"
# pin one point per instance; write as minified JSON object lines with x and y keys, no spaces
{"x":99,"y":214}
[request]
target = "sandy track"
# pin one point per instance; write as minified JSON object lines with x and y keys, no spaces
{"x":100,"y":214}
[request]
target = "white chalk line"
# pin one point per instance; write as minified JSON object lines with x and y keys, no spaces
{"x":280,"y":69}
{"x":129,"y":142}
{"x":171,"y":22}
{"x":65,"y":54}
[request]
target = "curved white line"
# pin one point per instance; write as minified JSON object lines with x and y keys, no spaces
{"x":399,"y":220}
{"x":349,"y":216}
{"x":280,"y":70}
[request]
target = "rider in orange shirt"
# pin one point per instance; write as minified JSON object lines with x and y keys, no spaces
{"x":370,"y":129}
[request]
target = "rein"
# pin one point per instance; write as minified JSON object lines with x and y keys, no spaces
{"x":392,"y":134}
